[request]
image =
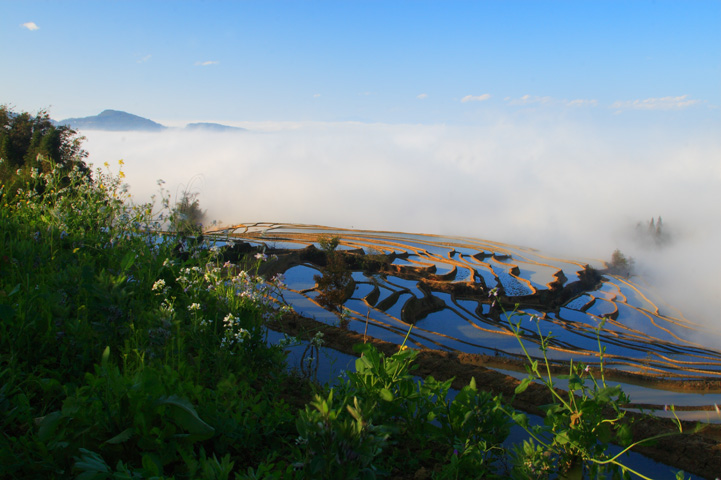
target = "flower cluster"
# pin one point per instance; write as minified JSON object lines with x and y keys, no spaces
{"x":234,"y":333}
{"x":288,"y":341}
{"x":235,"y":290}
{"x":159,"y":286}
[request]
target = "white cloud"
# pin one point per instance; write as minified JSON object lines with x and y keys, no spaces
{"x":477,"y":98}
{"x":317,"y":95}
{"x":546,"y":100}
{"x":422,"y":96}
{"x":530,"y":99}
{"x":145,"y":59}
{"x":206,"y":63}
{"x":581,"y":102}
{"x":662,"y":103}
{"x":30,"y":26}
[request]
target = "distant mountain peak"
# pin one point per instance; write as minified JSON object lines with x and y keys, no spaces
{"x":119,"y":121}
{"x":212,"y":127}
{"x":113,"y":120}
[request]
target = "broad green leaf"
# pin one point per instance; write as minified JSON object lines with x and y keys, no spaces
{"x":624,"y":435}
{"x":48,"y":424}
{"x":523,"y":385}
{"x":562,"y":438}
{"x":354,"y":413}
{"x":151,"y":465}
{"x":15,"y":290}
{"x":520,"y":419}
{"x":127,"y":262}
{"x":92,"y":466}
{"x":386,"y":395}
{"x":575,"y":382}
{"x":121,"y":437}
{"x":185,"y":416}
{"x":104,"y":358}
{"x":605,"y":394}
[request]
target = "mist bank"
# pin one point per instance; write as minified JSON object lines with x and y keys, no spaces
{"x":565,"y":187}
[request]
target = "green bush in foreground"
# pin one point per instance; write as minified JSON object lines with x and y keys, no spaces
{"x":121,"y":359}
{"x":115,"y":352}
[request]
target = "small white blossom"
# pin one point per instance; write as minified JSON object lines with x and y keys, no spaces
{"x":193,"y":307}
{"x":317,"y":340}
{"x":241,"y":335}
{"x":229,"y":320}
{"x":287,"y":340}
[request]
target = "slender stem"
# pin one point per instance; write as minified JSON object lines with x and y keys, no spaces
{"x":635,"y":444}
{"x":407,"y":334}
{"x":366,"y":329}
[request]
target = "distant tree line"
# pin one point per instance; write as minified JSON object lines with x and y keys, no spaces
{"x":653,"y":233}
{"x":28,"y":143}
{"x":188,"y":217}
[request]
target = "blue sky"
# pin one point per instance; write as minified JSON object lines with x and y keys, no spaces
{"x":372,"y":61}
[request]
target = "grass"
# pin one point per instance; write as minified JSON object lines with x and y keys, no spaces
{"x":125,"y":353}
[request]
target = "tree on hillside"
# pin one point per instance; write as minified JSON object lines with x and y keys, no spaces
{"x":620,"y":265}
{"x":188,"y":217}
{"x":653,"y":234}
{"x":27,"y":140}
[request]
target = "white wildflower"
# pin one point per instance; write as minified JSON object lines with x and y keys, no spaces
{"x":159,"y":285}
{"x":229,"y":320}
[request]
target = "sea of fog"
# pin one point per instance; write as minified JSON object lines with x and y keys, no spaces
{"x":559,"y":187}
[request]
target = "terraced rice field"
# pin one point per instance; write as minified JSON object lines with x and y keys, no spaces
{"x":443,"y":287}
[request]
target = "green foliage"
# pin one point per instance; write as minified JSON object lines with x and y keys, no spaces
{"x":578,"y":425}
{"x":337,"y":440}
{"x":118,"y":359}
{"x":188,"y":217}
{"x":420,"y":426}
{"x":478,"y":425}
{"x":25,"y":140}
{"x":335,"y":284}
{"x":620,"y":265}
{"x":329,"y":243}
